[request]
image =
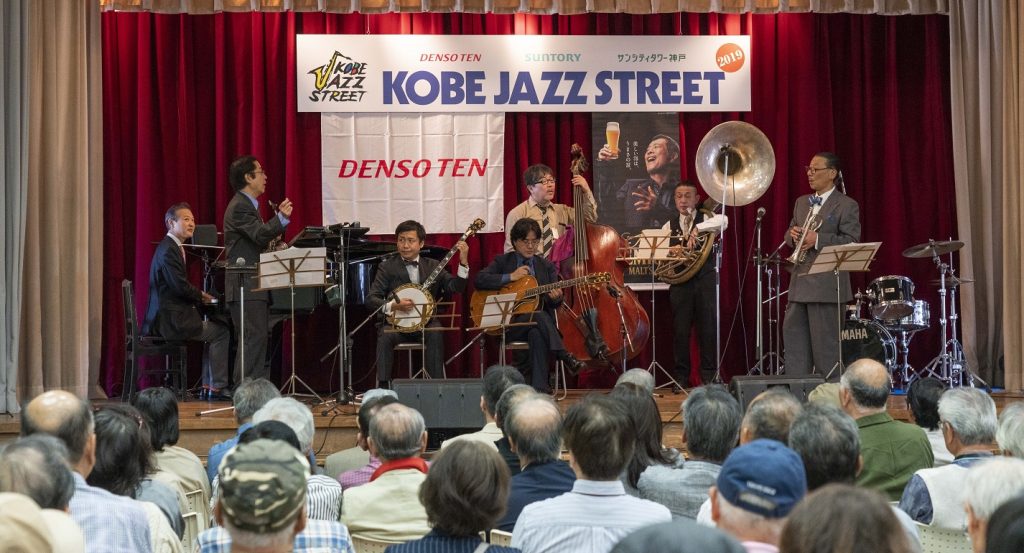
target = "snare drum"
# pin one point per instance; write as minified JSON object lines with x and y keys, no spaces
{"x":863,"y":338}
{"x":920,"y":319}
{"x":892,"y":297}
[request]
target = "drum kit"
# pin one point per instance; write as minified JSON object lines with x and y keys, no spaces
{"x":895,"y":316}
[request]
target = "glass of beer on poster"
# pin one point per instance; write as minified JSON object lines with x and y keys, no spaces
{"x":611,"y":133}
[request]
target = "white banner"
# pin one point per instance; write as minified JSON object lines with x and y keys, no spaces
{"x":472,"y":73}
{"x":443,"y":170}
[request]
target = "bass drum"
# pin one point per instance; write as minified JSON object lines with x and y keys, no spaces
{"x":867,"y":339}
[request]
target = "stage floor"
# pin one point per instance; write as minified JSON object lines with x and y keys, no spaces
{"x":336,"y":428}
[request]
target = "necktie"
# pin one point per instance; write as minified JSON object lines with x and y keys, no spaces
{"x":413,"y":263}
{"x":816,"y":200}
{"x":547,"y":235}
{"x":182,"y":250}
{"x":687,"y":221}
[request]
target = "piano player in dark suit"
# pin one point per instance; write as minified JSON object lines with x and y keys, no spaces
{"x":171,"y":310}
{"x":543,"y":337}
{"x":409,"y":266}
{"x":246,"y":236}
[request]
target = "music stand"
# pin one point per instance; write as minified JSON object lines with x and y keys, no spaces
{"x":293,"y":268}
{"x":653,"y":245}
{"x":849,"y":258}
{"x":417,"y":313}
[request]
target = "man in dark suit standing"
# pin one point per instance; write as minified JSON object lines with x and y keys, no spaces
{"x":409,"y":267}
{"x":171,"y":311}
{"x":693,"y":301}
{"x":812,"y":298}
{"x":246,"y":236}
{"x":543,"y":337}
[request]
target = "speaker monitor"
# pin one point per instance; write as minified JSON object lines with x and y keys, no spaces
{"x":746,"y":388}
{"x":449,"y":407}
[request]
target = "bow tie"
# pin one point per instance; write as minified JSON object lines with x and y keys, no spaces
{"x":413,"y":263}
{"x":816,"y":200}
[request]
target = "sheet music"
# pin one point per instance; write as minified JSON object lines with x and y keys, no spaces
{"x":853,"y":257}
{"x":497,"y":310}
{"x":310,"y":265}
{"x":656,"y":239}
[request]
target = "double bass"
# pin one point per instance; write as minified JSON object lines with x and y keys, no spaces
{"x":589,"y":315}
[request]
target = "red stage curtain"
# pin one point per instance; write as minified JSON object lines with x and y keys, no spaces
{"x":186,"y":94}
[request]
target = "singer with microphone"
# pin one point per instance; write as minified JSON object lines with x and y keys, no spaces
{"x":171,"y":310}
{"x":693,"y":301}
{"x":827,"y":217}
{"x":246,"y":236}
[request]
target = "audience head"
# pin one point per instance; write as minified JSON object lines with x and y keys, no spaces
{"x":534,"y":429}
{"x":597,"y":433}
{"x":262,"y":494}
{"x":251,"y":395}
{"x":36,"y":466}
{"x":123,"y":453}
{"x":646,"y":428}
{"x":397,"y":432}
{"x":466,"y":489}
{"x":508,"y":400}
{"x":497,"y":379}
{"x":367,"y":409}
{"x":68,"y":418}
{"x":988,"y":485}
{"x":271,"y":430}
{"x":22,"y":526}
{"x":1010,"y":435}
{"x":840,"y":518}
{"x":769,"y":416}
{"x":293,"y":413}
{"x":968,"y":418}
{"x":828,"y":442}
{"x":825,"y":394}
{"x":678,"y":536}
{"x":640,"y":377}
{"x":159,"y":408}
{"x":923,"y":399}
{"x":711,"y":423}
{"x":1006,"y":528}
{"x":864,"y":388}
{"x":758,"y":486}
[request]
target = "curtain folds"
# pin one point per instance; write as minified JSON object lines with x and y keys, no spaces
{"x":184,"y":95}
{"x":63,"y":263}
{"x":1012,"y":49}
{"x":13,"y":167}
{"x":537,"y":7}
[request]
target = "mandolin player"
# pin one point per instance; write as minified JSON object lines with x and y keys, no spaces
{"x":405,"y":268}
{"x":525,"y":260}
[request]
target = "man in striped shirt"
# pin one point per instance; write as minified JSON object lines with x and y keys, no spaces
{"x":597,"y":513}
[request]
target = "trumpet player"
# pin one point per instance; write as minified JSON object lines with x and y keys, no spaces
{"x":826,"y":217}
{"x":693,"y":301}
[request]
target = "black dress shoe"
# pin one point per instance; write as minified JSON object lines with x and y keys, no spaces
{"x":208,"y":394}
{"x":573,"y":365}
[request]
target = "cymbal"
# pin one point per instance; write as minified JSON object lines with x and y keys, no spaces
{"x":749,"y":157}
{"x":952,"y":282}
{"x":932,"y":248}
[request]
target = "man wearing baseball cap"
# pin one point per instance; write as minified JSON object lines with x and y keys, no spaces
{"x":758,"y":486}
{"x":262,"y":504}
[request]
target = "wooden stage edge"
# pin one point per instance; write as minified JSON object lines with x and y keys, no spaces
{"x":336,"y":430}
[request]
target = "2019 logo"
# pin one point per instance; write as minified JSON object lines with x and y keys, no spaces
{"x":339,"y":80}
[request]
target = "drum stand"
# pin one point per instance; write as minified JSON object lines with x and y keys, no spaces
{"x":950,"y":365}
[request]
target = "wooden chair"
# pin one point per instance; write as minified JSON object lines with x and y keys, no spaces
{"x":942,"y":540}
{"x":175,"y":353}
{"x":362,"y":544}
{"x":560,"y":382}
{"x":191,"y":534}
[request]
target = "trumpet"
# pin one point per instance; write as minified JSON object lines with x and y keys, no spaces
{"x":811,"y":223}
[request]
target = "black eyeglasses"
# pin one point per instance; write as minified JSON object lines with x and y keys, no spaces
{"x":548,"y":180}
{"x":812,"y":170}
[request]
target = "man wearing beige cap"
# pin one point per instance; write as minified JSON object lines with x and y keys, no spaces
{"x":262,"y":505}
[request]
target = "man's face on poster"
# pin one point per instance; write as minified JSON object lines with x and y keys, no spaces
{"x":658,"y":156}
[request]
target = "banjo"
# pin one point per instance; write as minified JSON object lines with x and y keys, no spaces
{"x":415,"y":320}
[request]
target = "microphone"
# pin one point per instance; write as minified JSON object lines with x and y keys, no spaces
{"x":240,"y":262}
{"x":760,"y":214}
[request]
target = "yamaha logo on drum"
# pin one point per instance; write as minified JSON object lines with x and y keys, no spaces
{"x":859,"y":333}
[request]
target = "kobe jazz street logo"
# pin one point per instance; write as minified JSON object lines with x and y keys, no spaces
{"x":339,"y":80}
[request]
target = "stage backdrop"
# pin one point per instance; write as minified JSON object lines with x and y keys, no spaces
{"x":185,"y":94}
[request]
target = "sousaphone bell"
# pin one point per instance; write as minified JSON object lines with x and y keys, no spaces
{"x":746,"y":153}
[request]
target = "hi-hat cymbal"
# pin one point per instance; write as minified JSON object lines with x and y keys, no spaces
{"x":952,"y":282}
{"x":932,"y":248}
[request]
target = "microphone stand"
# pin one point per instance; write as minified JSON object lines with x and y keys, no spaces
{"x":759,"y":262}
{"x":335,"y":403}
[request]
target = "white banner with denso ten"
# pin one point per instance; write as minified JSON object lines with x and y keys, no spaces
{"x":473,"y":73}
